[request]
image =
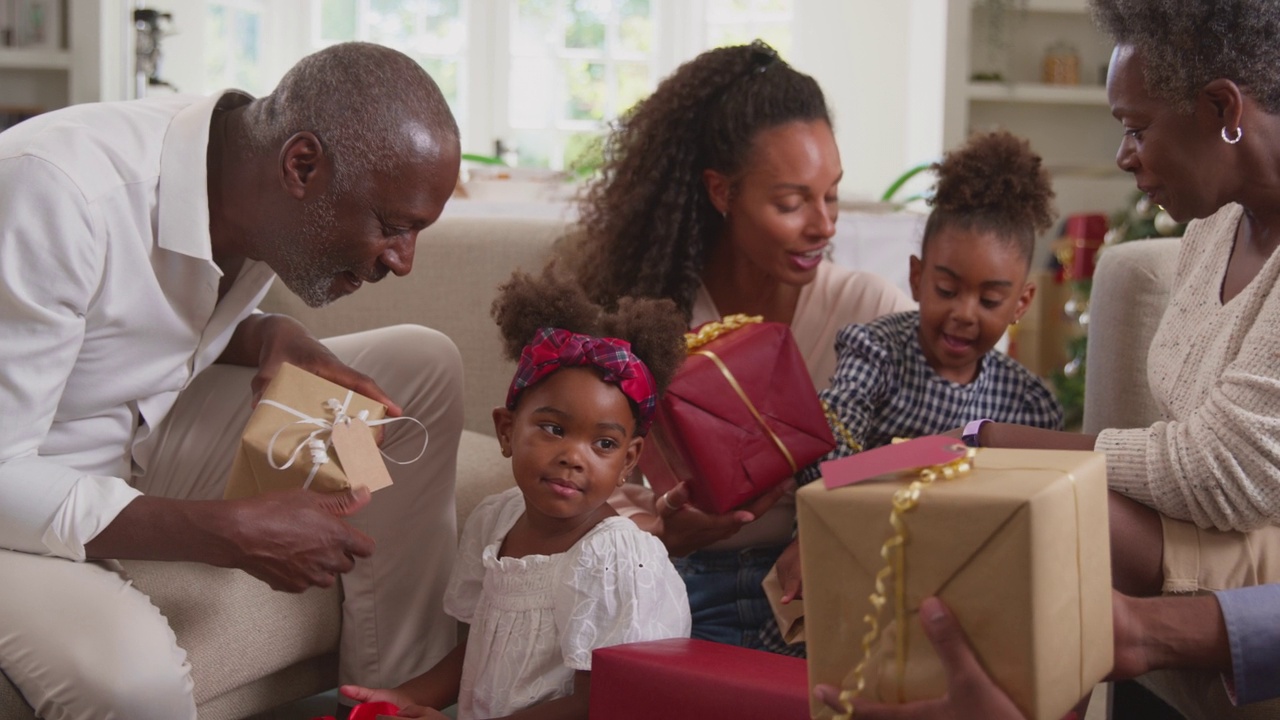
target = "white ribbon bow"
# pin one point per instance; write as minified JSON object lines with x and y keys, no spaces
{"x":318,"y":440}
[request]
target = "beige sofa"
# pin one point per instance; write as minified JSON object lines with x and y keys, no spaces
{"x":252,"y":649}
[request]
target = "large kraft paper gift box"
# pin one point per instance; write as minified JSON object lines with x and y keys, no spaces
{"x":275,"y":430}
{"x":1018,"y":548}
{"x":740,"y":416}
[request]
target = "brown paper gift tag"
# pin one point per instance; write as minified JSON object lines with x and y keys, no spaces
{"x":789,"y":616}
{"x":361,"y":459}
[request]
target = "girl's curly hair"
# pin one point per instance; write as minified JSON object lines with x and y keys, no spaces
{"x":1187,"y":43}
{"x":648,"y":220}
{"x":526,"y":304}
{"x":995,"y":183}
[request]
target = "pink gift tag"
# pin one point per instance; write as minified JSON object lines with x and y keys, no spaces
{"x":914,"y":454}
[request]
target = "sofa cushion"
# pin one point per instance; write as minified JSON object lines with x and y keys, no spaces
{"x":482,"y":471}
{"x":1130,"y":291}
{"x":272,"y":630}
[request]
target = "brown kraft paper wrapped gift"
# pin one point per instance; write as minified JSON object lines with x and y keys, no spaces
{"x":1018,"y":548}
{"x":252,"y":473}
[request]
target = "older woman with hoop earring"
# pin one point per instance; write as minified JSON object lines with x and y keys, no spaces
{"x":1196,"y":502}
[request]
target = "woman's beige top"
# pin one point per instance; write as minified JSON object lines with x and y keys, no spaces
{"x":1214,"y":369}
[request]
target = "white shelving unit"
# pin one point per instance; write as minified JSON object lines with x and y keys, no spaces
{"x":1069,"y":125}
{"x":25,"y":59}
{"x":87,"y":66}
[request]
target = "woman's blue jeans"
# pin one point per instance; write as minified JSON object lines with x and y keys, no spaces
{"x":725,"y":596}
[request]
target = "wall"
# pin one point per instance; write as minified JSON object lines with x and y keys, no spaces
{"x":880,"y":62}
{"x":881,"y":65}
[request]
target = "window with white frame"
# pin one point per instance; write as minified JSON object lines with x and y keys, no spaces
{"x":545,"y":77}
{"x":233,"y":36}
{"x":737,"y":22}
{"x":433,"y":32}
{"x":574,"y":65}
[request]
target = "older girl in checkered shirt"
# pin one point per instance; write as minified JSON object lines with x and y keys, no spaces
{"x":934,"y":369}
{"x":929,"y":371}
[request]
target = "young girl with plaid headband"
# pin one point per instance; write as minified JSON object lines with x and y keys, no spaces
{"x":547,"y":571}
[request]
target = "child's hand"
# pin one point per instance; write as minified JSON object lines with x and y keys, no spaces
{"x":417,"y":711}
{"x":396,"y":697}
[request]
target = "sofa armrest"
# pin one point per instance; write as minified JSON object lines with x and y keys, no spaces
{"x":1130,"y":291}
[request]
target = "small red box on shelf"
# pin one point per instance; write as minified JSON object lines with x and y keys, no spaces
{"x":686,"y":679}
{"x":740,"y":416}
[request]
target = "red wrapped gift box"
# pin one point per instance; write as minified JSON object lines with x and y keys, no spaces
{"x":686,"y":679}
{"x":740,"y":416}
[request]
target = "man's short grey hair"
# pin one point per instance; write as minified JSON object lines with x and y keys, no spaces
{"x":357,"y":98}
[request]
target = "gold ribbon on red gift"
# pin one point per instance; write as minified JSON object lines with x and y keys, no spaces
{"x":710,"y":331}
{"x":707,"y":332}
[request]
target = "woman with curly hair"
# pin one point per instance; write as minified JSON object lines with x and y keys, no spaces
{"x":719,"y":192}
{"x":1196,"y":496}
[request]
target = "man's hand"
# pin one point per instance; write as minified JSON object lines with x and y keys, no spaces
{"x":971,"y":693}
{"x":1170,"y":631}
{"x":685,"y":529}
{"x":287,"y":340}
{"x":1131,"y":649}
{"x":267,"y":341}
{"x":296,"y":539}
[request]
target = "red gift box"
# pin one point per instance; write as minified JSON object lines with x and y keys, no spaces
{"x":685,"y":679}
{"x":740,"y":416}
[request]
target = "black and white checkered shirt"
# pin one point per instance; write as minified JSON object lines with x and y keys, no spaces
{"x":884,"y":388}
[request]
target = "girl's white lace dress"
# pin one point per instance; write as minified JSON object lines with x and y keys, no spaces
{"x":535,"y":620}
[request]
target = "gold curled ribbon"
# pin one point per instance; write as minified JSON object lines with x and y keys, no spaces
{"x":712,"y":330}
{"x":894,"y":554}
{"x":838,"y":425}
{"x":742,"y":394}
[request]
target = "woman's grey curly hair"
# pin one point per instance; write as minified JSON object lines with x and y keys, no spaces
{"x":1187,"y":43}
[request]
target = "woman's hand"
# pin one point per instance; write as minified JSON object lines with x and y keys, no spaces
{"x":971,"y":693}
{"x":789,"y":573}
{"x":685,"y":529}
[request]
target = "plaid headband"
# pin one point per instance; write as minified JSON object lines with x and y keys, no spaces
{"x":553,"y":348}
